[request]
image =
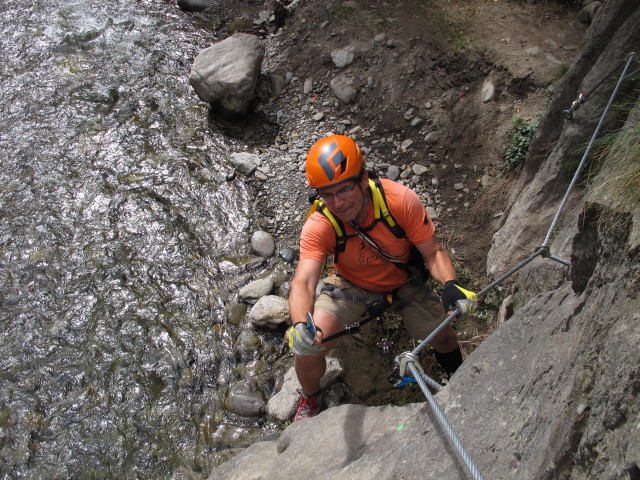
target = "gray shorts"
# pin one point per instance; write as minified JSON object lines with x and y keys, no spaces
{"x":421,"y":315}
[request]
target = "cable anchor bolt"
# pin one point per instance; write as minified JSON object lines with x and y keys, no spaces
{"x":400,"y":375}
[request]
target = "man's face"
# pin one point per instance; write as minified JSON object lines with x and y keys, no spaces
{"x":345,"y":200}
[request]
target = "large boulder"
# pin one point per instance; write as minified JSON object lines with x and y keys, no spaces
{"x":270,"y":311}
{"x":225,"y":75}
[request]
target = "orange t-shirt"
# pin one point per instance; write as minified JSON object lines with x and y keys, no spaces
{"x":360,"y":264}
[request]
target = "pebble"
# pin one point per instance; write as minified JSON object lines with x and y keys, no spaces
{"x":419,"y":169}
{"x":406,"y":144}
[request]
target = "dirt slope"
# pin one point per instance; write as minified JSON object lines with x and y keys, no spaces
{"x":438,"y":56}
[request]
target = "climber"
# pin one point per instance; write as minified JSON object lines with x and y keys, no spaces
{"x":372,"y":227}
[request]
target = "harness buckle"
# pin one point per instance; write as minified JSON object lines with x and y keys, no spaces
{"x":352,"y":328}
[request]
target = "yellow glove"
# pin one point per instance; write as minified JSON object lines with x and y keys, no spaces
{"x":454,"y":296}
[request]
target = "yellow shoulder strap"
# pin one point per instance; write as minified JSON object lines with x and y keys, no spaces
{"x":320,"y":207}
{"x":379,"y":205}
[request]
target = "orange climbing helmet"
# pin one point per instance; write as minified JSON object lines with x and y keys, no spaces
{"x":333,"y":160}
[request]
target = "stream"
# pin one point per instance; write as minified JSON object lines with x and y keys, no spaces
{"x":119,"y":235}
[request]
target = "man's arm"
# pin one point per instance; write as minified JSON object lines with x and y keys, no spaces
{"x":303,"y":289}
{"x":442,"y":270}
{"x":439,"y":263}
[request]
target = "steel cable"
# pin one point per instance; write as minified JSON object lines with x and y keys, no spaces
{"x":464,"y":455}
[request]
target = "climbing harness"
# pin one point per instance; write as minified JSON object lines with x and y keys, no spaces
{"x":409,"y":360}
{"x":373,"y":309}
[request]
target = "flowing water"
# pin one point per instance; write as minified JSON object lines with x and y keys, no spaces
{"x":118,"y":234}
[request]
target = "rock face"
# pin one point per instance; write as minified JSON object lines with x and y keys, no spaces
{"x":540,"y":188}
{"x":225,"y":75}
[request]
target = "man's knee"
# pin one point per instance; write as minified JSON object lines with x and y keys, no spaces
{"x":446,"y":340}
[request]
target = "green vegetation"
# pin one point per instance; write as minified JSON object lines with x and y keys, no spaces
{"x":616,"y":160}
{"x":522,"y":132}
{"x":560,"y":71}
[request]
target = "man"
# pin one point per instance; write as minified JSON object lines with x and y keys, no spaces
{"x":371,"y":261}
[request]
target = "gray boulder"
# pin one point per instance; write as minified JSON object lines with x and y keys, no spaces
{"x":270,"y":311}
{"x":342,"y":87}
{"x":343,"y":57}
{"x":245,"y":162}
{"x":225,"y":75}
{"x":256,"y":289}
{"x":588,"y":12}
{"x":263,"y":243}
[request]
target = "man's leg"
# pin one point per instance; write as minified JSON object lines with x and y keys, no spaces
{"x":446,"y":350}
{"x":425,"y":314}
{"x":310,"y":369}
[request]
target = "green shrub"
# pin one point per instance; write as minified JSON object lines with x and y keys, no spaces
{"x":522,"y":131}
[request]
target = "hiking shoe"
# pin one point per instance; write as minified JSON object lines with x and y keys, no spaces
{"x":308,"y":406}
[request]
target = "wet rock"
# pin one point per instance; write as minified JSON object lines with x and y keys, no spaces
{"x":225,"y":75}
{"x":270,"y":311}
{"x":263,"y":243}
{"x":247,"y":343}
{"x":244,"y":162}
{"x":236,"y":313}
{"x":284,"y":289}
{"x":243,"y":399}
{"x":194,"y":5}
{"x":253,"y":369}
{"x":253,"y":291}
{"x":288,"y":255}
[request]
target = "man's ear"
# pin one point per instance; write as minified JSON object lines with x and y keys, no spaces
{"x":364,"y":179}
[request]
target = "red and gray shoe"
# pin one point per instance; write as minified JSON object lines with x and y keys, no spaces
{"x":308,"y":406}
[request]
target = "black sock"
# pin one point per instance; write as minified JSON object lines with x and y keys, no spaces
{"x":450,"y":361}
